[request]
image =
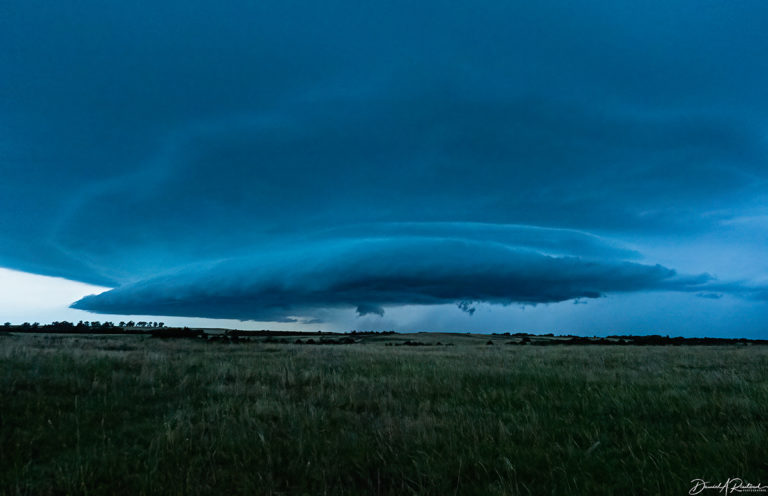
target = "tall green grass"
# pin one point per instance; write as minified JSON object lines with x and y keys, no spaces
{"x":132,"y":415}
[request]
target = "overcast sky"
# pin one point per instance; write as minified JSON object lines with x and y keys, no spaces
{"x":553,"y":166}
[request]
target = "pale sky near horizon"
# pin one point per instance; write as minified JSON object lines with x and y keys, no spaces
{"x":33,"y":298}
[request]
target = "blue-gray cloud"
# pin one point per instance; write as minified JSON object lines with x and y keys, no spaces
{"x":146,"y":138}
{"x":368,"y":274}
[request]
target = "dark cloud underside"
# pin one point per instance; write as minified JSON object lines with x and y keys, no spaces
{"x":371,"y":273}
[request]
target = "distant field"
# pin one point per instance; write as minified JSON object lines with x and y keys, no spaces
{"x":130,"y":414}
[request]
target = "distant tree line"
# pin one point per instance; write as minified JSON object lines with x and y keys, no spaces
{"x":91,"y":327}
{"x":159,"y":330}
{"x":648,"y":340}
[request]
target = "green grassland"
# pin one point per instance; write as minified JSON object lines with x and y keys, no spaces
{"x":131,"y":414}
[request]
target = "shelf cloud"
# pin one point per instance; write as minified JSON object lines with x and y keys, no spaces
{"x":372,"y":273}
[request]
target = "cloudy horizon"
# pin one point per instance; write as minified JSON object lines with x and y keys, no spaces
{"x":501,"y":166}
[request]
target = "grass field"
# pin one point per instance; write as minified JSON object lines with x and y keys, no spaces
{"x":135,"y":415}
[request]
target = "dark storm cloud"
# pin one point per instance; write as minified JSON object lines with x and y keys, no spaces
{"x":146,"y":137}
{"x":371,"y":273}
{"x":367,"y":308}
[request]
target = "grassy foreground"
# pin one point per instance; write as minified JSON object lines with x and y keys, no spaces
{"x":136,"y":415}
